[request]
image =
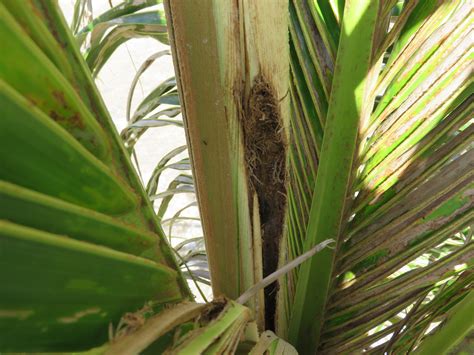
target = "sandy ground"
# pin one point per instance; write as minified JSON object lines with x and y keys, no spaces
{"x":113,"y":82}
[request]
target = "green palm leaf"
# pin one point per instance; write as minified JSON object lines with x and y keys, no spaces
{"x":79,"y":241}
{"x":407,"y":193}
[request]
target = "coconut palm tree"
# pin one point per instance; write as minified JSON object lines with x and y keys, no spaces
{"x":352,"y":129}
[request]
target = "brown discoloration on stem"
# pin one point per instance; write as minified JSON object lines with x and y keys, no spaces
{"x":213,"y":310}
{"x":265,"y":156}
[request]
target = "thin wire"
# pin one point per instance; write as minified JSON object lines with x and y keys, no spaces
{"x":247,"y":295}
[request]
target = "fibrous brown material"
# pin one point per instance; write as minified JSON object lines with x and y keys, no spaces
{"x":265,"y":154}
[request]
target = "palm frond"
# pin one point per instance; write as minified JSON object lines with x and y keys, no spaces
{"x":105,"y":33}
{"x":406,"y":203}
{"x":79,"y":240}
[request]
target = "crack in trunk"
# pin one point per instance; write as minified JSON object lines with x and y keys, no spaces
{"x":265,"y":156}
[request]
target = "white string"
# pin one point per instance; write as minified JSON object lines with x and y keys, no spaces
{"x":247,"y":295}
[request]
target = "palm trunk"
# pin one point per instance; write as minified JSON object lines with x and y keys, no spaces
{"x":233,"y":69}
